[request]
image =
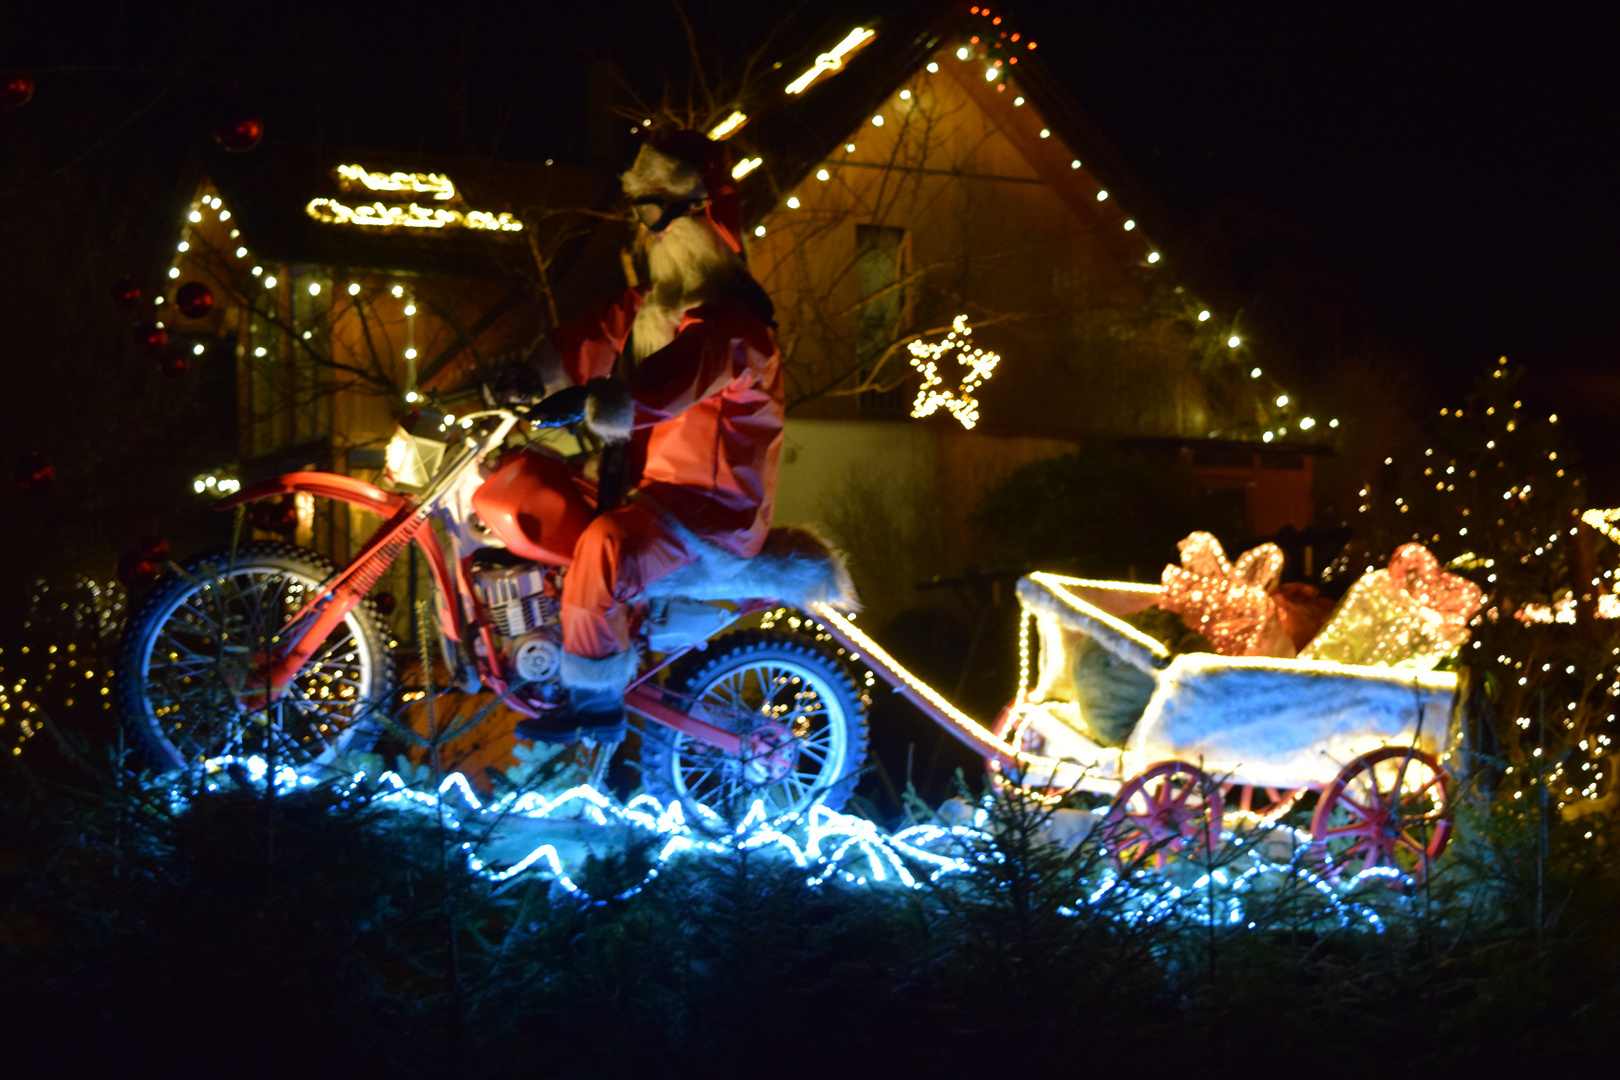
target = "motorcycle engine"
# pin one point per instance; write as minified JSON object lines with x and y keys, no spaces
{"x":524,"y":606}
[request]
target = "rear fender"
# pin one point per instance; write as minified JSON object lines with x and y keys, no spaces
{"x":366,"y":497}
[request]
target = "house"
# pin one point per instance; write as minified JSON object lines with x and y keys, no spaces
{"x":931,"y":168}
{"x":916,"y":190}
{"x":349,"y":290}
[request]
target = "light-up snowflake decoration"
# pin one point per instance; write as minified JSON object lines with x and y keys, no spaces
{"x":960,"y":402}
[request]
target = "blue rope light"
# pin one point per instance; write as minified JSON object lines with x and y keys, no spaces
{"x":830,"y":845}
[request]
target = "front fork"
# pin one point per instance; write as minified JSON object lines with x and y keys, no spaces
{"x":308,"y":630}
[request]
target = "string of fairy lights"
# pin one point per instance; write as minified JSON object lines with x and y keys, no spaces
{"x":996,"y":46}
{"x":200,"y":237}
{"x":1499,"y":489}
{"x":69,"y":667}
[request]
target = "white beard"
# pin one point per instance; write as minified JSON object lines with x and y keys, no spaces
{"x":687,"y":264}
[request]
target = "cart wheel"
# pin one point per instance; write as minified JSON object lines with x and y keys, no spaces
{"x":1171,"y":810}
{"x":1389,"y":808}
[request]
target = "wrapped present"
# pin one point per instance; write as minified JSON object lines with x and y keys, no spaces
{"x":1411,"y":614}
{"x":1230,"y":605}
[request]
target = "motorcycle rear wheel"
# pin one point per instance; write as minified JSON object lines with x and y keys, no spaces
{"x":190,"y":647}
{"x":740,"y":682}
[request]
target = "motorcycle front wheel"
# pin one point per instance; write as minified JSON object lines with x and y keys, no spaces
{"x":199,"y":639}
{"x":803,"y":720}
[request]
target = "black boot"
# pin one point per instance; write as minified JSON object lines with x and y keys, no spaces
{"x":595,"y":713}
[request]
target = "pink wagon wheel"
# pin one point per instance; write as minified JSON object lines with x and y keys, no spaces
{"x":1171,"y":810}
{"x":1389,"y":808}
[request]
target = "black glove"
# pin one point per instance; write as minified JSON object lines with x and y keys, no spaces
{"x":602,"y":405}
{"x":565,"y":408}
{"x":515,"y":382}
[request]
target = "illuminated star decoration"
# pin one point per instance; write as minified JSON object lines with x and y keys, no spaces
{"x":960,"y":403}
{"x":1412,"y":615}
{"x":1230,"y":605}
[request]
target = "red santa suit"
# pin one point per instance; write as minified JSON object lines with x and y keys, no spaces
{"x":708,"y":433}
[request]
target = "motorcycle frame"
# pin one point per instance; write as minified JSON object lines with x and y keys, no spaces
{"x":458,"y":606}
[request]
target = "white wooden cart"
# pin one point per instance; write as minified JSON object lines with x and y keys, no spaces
{"x":1219,"y":737}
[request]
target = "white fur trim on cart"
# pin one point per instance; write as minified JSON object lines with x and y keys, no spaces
{"x":1283,"y":723}
{"x":1045,"y":596}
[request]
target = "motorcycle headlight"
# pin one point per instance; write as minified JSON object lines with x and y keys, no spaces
{"x":410,"y":461}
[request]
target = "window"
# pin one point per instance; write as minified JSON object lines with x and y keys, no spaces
{"x":880,"y":258}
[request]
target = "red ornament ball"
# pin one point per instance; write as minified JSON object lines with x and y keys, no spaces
{"x":141,"y":567}
{"x":241,"y":134}
{"x":151,"y":337}
{"x":126,"y":292}
{"x":277,"y":516}
{"x":194,"y":299}
{"x":155,"y":547}
{"x":16,"y":90}
{"x":385,"y":603}
{"x":34,"y":473}
{"x":174,"y":363}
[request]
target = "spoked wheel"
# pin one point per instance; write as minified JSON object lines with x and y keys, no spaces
{"x":802,"y":720}
{"x":1171,"y":811}
{"x":200,"y":639}
{"x":1390,"y":808}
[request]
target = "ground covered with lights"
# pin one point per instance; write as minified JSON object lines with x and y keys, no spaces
{"x":390,"y":919}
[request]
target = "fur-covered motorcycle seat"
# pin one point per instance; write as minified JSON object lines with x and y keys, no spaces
{"x":796,"y":567}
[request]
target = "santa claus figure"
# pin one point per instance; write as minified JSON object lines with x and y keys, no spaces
{"x":694,"y":444}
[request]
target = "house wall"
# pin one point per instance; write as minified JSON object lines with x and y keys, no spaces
{"x":897,"y":495}
{"x":1001,"y":228}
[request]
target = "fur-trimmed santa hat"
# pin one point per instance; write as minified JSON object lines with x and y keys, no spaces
{"x":687,"y":165}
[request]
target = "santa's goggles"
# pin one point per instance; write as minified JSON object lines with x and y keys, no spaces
{"x":658,"y":214}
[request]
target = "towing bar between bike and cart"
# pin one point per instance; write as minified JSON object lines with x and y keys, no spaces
{"x":1031,"y":769}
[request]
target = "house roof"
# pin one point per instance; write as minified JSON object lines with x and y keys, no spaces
{"x":794,"y":134}
{"x":270,"y":191}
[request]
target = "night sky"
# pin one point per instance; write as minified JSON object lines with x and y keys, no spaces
{"x":1446,"y":170}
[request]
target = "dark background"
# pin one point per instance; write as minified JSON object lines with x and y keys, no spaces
{"x":1432,"y":179}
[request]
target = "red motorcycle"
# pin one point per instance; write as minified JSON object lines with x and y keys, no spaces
{"x":268,"y":648}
